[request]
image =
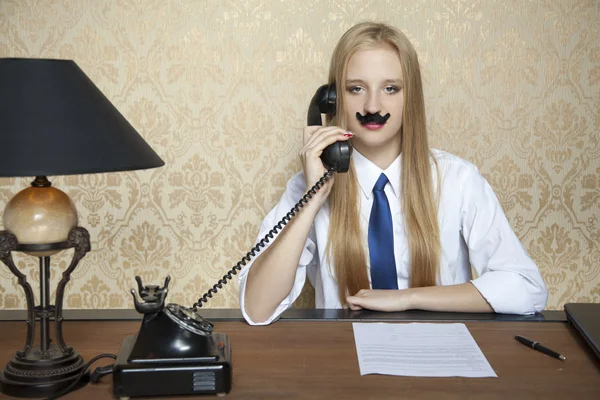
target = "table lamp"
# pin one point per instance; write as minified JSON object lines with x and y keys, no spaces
{"x":53,"y":121}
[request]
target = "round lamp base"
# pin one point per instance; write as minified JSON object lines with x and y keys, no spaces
{"x":42,"y":373}
{"x":40,"y":214}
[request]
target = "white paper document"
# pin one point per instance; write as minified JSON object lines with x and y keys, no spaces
{"x":419,"y":349}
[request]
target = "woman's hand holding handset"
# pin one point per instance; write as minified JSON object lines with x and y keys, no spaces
{"x":316,"y":139}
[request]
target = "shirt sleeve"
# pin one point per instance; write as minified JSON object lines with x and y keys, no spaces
{"x":293,"y":193}
{"x":508,"y":278}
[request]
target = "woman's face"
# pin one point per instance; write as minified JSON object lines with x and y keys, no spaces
{"x":374,"y":85}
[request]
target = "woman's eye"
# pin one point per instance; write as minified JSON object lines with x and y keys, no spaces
{"x":355,"y":89}
{"x":390,"y":89}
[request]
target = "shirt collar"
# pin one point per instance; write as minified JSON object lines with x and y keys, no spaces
{"x":367,"y":174}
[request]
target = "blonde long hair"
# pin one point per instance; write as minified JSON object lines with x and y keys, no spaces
{"x":419,"y":204}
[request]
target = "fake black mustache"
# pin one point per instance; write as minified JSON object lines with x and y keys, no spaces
{"x":368,"y":117}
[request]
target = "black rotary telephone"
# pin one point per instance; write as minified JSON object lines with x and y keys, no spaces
{"x":176,"y":351}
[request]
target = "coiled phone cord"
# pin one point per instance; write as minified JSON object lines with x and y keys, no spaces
{"x":262,"y":243}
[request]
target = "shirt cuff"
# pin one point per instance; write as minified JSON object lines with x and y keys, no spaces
{"x":510,"y":293}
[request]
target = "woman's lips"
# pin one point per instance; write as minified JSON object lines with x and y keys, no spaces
{"x":373,"y":126}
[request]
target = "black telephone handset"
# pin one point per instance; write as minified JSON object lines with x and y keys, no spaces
{"x":175,"y":343}
{"x":324,"y":102}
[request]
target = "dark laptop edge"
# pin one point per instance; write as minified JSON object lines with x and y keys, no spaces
{"x":586,"y":337}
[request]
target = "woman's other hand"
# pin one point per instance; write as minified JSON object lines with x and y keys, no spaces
{"x":380,"y":300}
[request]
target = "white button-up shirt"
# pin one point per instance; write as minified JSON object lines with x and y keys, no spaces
{"x":474,"y":232}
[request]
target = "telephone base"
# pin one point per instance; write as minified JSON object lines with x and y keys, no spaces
{"x":170,"y":377}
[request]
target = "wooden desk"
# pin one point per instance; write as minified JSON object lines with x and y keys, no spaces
{"x":294,"y":359}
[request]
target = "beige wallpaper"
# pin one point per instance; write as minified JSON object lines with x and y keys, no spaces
{"x":220,"y":88}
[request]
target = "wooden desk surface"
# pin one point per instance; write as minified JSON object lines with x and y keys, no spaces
{"x":317,"y":360}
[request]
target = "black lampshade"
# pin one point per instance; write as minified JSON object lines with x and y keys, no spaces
{"x":55,"y":121}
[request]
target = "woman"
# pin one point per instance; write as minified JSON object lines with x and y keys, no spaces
{"x":403,"y":227}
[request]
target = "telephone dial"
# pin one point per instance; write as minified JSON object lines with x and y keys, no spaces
{"x":176,"y":351}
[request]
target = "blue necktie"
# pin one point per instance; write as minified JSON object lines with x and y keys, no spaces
{"x":381,"y":240}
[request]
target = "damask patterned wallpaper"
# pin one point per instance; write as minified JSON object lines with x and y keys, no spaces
{"x":219,"y":88}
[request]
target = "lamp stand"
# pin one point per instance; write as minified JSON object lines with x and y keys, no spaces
{"x":39,"y":371}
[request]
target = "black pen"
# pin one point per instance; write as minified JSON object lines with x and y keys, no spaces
{"x":539,"y":347}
